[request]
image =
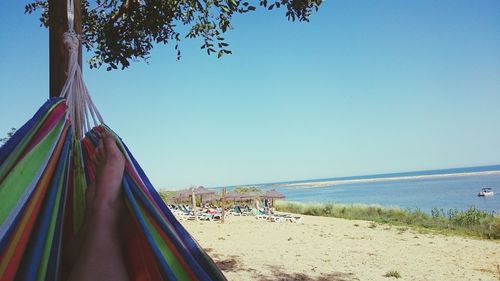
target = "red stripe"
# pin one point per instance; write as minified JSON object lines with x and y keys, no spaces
{"x":38,"y":136}
{"x":173,"y":248}
{"x":88,"y":152}
{"x":138,"y":181}
{"x":48,"y":124}
{"x":34,"y":206}
{"x":139,"y":257}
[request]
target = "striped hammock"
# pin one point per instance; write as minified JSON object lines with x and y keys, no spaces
{"x":44,"y":171}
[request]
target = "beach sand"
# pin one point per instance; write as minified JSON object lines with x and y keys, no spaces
{"x":324,"y":248}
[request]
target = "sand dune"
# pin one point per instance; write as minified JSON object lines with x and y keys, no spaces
{"x":326,"y":183}
{"x":336,"y":249}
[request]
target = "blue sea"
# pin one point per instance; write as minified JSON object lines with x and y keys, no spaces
{"x":456,"y":190}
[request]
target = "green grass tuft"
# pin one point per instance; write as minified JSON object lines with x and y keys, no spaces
{"x":470,"y":222}
{"x":392,"y":273}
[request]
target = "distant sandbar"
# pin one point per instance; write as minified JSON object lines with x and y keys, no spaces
{"x":352,"y":181}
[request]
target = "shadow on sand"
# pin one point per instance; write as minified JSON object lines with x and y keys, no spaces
{"x":231,"y":264}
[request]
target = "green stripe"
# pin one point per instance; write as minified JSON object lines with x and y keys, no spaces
{"x":42,"y":269}
{"x":19,"y":178}
{"x":16,"y":152}
{"x":171,"y":259}
{"x":79,"y":186}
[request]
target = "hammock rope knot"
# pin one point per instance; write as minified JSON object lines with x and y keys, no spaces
{"x":71,"y":41}
{"x":81,"y":108}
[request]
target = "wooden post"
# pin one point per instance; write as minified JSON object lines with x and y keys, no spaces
{"x":193,"y":198}
{"x":58,"y":54}
{"x":223,"y":204}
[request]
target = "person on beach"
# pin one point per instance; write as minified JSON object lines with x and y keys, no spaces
{"x":266,"y":206}
{"x":96,"y":254}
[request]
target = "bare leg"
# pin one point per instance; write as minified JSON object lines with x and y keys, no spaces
{"x":101,"y":256}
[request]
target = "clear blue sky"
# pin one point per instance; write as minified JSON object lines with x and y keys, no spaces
{"x":366,"y":87}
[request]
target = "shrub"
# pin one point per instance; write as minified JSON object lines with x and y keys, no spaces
{"x":392,"y":273}
{"x":472,"y":222}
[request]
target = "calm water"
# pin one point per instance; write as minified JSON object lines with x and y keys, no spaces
{"x":457,"y":192}
{"x":451,"y":192}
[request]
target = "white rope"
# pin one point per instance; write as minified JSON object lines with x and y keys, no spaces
{"x":71,"y":15}
{"x":81,"y":108}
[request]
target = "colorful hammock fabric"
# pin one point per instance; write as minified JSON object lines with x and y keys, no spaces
{"x":44,"y":171}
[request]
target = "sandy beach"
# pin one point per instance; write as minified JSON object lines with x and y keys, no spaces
{"x":323,"y":248}
{"x":316,"y":184}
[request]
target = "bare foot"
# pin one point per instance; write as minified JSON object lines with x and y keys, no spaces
{"x":110,"y":165}
{"x":100,"y":254}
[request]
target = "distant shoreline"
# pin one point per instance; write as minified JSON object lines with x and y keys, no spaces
{"x":318,"y":184}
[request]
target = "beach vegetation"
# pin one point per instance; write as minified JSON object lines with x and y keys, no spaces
{"x":166,"y":194}
{"x":470,"y":222}
{"x":247,"y":189}
{"x":392,"y":273}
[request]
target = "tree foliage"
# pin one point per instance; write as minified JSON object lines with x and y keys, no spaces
{"x":9,"y":135}
{"x":166,"y":194}
{"x":118,"y":31}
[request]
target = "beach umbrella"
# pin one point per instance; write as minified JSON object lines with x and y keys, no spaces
{"x":233,"y":195}
{"x":185,"y":192}
{"x":273,"y":194}
{"x":201,"y":190}
{"x":210,"y":198}
{"x":184,"y":195}
{"x":181,"y":195}
{"x":188,"y":193}
{"x":178,"y":197}
{"x":194,"y":191}
{"x":250,"y":195}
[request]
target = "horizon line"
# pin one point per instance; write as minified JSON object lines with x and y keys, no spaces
{"x":442,"y":171}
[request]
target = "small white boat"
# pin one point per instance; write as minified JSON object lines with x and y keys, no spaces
{"x":487,"y":191}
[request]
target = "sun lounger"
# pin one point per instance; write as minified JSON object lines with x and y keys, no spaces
{"x":205,"y":217}
{"x":294,"y":219}
{"x":291,"y":218}
{"x":182,"y":213}
{"x":237,"y":211}
{"x":279,"y":217}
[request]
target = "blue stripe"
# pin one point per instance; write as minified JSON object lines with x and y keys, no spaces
{"x":9,"y":146}
{"x":55,"y":255}
{"x":128,"y":194}
{"x":6,"y":238}
{"x":189,"y":242}
{"x":34,"y":252}
{"x":193,"y":263}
